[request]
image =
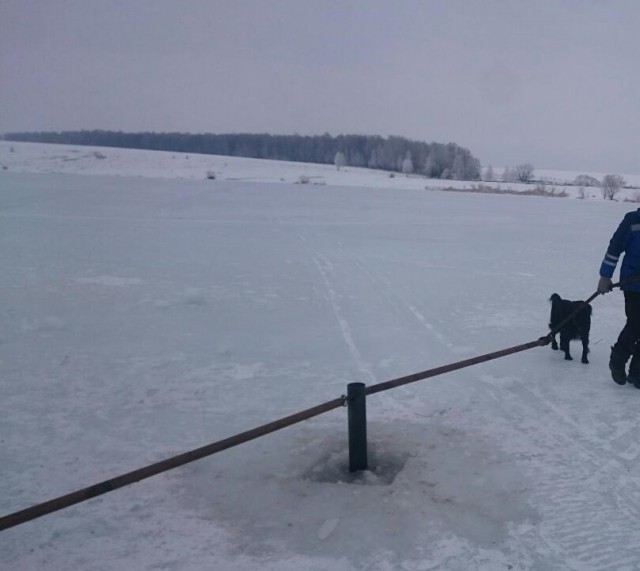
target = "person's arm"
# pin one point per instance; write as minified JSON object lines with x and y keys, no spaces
{"x":616,"y":247}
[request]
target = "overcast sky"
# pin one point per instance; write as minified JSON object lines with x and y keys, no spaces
{"x":552,"y":82}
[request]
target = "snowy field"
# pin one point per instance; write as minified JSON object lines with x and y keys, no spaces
{"x":142,"y":317}
{"x":43,"y":158}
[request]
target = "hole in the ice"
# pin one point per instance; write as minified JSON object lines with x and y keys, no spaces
{"x":383,"y":467}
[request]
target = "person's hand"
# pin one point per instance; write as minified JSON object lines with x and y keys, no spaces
{"x":604,"y":285}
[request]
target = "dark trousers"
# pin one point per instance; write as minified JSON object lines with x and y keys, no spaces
{"x":630,"y":334}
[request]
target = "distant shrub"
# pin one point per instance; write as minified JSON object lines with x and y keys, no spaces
{"x":538,"y":190}
{"x":211,"y":175}
{"x":524,"y":172}
{"x":586,"y":180}
{"x":489,"y":176}
{"x":303,"y":179}
{"x":508,"y":175}
{"x":611,"y":185}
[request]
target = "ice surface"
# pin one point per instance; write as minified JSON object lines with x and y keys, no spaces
{"x":141,"y":317}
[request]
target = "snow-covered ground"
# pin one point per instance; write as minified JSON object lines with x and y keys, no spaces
{"x":44,"y":158}
{"x":142,"y":317}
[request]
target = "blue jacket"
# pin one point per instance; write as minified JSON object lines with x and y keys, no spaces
{"x":625,"y":239}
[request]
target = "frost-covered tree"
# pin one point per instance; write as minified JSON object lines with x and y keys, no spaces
{"x":524,"y":172}
{"x":339,"y":160}
{"x":356,"y":159}
{"x":430,"y":166}
{"x":407,"y":165}
{"x":586,"y":180}
{"x":458,"y":167}
{"x":611,"y":185}
{"x":372,"y":163}
{"x":508,"y":175}
{"x":488,"y":174}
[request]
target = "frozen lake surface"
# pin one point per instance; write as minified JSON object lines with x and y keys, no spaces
{"x":140,"y":318}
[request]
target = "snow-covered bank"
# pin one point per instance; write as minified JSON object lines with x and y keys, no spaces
{"x":67,"y":159}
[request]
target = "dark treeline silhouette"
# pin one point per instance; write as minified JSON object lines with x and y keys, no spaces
{"x":435,"y":160}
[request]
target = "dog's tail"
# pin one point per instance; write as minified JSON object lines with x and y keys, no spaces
{"x":554,"y":297}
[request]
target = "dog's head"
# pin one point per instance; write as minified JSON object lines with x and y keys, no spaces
{"x":555,"y":297}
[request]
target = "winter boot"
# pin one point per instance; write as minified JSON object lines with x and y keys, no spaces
{"x":617,"y":363}
{"x":634,"y":370}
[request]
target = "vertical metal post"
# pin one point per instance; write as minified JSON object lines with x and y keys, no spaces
{"x":357,"y":417}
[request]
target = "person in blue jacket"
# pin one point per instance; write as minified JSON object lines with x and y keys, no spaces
{"x":626,"y":239}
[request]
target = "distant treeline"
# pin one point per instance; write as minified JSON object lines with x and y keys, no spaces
{"x":435,"y":160}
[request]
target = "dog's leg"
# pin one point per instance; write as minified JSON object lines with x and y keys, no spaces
{"x":564,"y":346}
{"x":554,"y":343}
{"x":585,"y":348}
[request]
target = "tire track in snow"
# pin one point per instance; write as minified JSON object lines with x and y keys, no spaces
{"x":588,"y":508}
{"x":325,"y":268}
{"x":580,"y":524}
{"x":386,"y":293}
{"x":398,"y":299}
{"x":389,"y":293}
{"x":402,"y":302}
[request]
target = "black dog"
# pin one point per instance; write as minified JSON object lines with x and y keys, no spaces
{"x":576,"y":328}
